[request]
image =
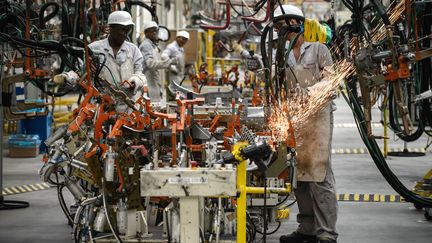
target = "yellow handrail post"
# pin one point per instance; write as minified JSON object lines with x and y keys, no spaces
{"x":209,"y":51}
{"x":241,"y":202}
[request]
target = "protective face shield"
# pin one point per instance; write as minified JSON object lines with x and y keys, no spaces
{"x":288,"y":15}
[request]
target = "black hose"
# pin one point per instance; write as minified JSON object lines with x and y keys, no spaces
{"x":12,"y":18}
{"x":394,"y":122}
{"x":152,"y":10}
{"x":42,"y":19}
{"x":379,"y":159}
{"x":264,"y":56}
{"x":66,"y":27}
{"x":425,"y":69}
{"x":63,"y":205}
{"x":379,"y":7}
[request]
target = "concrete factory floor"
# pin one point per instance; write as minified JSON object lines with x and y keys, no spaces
{"x":359,"y":222}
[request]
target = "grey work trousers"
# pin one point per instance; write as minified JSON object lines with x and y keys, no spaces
{"x":318,"y":207}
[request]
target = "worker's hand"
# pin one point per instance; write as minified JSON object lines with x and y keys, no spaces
{"x":137,"y":82}
{"x":71,"y":77}
{"x":173,"y":69}
{"x":59,"y":79}
{"x":128,"y":84}
{"x":237,"y":47}
{"x":175,"y":60}
{"x":301,"y":93}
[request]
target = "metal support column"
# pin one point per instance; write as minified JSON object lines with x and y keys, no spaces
{"x":189,"y":219}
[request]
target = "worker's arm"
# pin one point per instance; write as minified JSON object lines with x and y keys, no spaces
{"x":137,"y":60}
{"x":169,"y":51}
{"x":152,"y":63}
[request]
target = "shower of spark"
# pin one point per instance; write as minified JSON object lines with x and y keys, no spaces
{"x":301,"y":105}
{"x":394,"y":13}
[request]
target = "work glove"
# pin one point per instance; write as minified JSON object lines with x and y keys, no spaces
{"x":301,"y":93}
{"x":237,"y":47}
{"x":176,"y":60}
{"x":173,"y":69}
{"x":253,"y":63}
{"x":137,"y":82}
{"x":71,"y":77}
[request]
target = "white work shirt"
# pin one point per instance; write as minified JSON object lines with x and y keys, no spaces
{"x":127,"y":62}
{"x":126,"y":65}
{"x":151,"y":65}
{"x":173,"y":50}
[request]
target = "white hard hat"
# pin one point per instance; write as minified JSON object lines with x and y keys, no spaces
{"x":288,"y":10}
{"x":150,"y":24}
{"x":120,"y":17}
{"x":183,"y":33}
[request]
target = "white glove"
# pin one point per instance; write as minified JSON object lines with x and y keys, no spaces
{"x":71,"y":77}
{"x":173,"y":69}
{"x":138,"y":81}
{"x":175,"y":60}
{"x":237,"y":47}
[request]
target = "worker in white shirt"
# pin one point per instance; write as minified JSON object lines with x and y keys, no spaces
{"x":153,"y":61}
{"x":175,"y":49}
{"x":123,"y":59}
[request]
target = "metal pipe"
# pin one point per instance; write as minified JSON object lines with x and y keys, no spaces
{"x":218,"y":221}
{"x":269,"y":190}
{"x":227,"y":22}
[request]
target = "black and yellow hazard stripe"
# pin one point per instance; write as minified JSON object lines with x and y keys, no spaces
{"x":24,"y":188}
{"x":365,"y":151}
{"x":340,"y":197}
{"x":353,"y":125}
{"x":369,"y":198}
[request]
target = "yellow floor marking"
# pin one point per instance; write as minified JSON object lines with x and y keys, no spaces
{"x":366,"y":198}
{"x":21,"y":189}
{"x":28,"y":188}
{"x":14,"y":190}
{"x":40,"y":186}
{"x":34,"y":187}
{"x":9,"y":191}
{"x":356,"y":197}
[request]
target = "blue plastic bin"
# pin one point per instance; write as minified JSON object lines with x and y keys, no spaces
{"x":24,"y":145}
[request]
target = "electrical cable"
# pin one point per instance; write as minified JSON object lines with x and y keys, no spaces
{"x":63,"y":205}
{"x":258,"y":6}
{"x":394,"y":121}
{"x":379,"y":159}
{"x":104,"y":200}
{"x":42,"y":19}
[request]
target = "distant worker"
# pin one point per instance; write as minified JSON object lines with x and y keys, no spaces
{"x":153,"y":61}
{"x":175,"y":49}
{"x":123,"y":59}
{"x":315,"y":192}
